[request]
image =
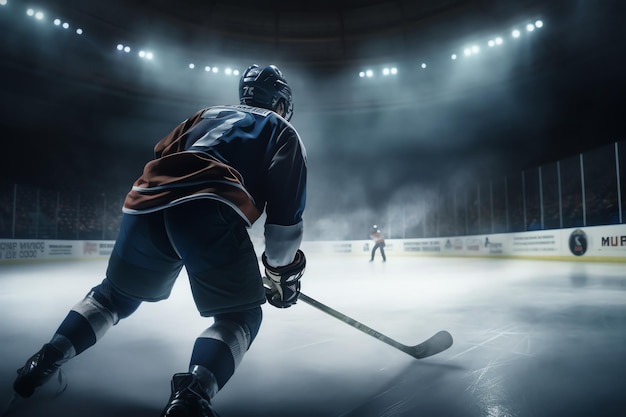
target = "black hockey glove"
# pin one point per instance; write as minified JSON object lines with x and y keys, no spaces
{"x":282,"y":284}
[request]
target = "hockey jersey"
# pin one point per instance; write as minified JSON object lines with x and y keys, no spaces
{"x":247,"y":157}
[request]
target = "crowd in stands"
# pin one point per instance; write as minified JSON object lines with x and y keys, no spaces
{"x":29,"y":213}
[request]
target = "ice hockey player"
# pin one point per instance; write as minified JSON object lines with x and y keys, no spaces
{"x":379,"y":243}
{"x":210,"y":179}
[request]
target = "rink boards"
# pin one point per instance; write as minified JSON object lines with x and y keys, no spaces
{"x":598,"y":243}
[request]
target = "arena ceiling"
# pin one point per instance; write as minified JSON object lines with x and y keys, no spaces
{"x":545,"y":98}
{"x":321,"y":32}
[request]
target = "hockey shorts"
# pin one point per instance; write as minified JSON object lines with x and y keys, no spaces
{"x":205,"y":236}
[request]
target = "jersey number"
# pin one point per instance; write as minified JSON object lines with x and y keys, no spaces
{"x":222,"y":121}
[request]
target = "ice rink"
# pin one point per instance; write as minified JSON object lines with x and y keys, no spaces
{"x":531,"y":338}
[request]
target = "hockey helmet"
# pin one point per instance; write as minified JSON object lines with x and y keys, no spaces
{"x":265,"y":87}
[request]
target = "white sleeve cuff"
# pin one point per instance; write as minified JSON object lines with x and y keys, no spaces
{"x":282,"y":243}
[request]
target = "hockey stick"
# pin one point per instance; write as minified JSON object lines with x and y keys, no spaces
{"x":437,"y":343}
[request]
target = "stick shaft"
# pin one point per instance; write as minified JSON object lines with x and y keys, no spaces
{"x":354,"y":323}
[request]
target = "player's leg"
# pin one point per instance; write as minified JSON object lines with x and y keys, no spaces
{"x":107,"y":303}
{"x":83,"y":326}
{"x":217,"y":353}
{"x":382,"y":253}
{"x":226,"y":284}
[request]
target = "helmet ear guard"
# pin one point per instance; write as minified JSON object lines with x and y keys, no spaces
{"x":266,"y":88}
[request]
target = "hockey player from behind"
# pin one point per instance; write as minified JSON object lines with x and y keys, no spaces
{"x":379,"y":243}
{"x":211,"y":177}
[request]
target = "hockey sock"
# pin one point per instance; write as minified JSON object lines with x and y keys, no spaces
{"x":84,"y":325}
{"x":215,"y":356}
{"x":77,"y":330}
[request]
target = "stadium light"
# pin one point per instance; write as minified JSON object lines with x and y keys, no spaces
{"x":145,"y":54}
{"x":369,"y":73}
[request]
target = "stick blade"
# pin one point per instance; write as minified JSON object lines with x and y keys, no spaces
{"x":439,"y":342}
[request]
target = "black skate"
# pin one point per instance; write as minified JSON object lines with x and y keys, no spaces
{"x":188,"y":398}
{"x":38,"y":370}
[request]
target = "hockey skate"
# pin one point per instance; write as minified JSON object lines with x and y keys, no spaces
{"x":38,"y":370}
{"x":188,"y":398}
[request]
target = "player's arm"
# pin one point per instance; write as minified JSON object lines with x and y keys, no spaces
{"x":286,"y":181}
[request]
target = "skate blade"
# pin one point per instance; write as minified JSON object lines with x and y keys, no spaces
{"x":8,"y":408}
{"x":62,"y":383}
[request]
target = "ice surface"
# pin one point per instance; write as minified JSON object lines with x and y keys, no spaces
{"x":532,"y":338}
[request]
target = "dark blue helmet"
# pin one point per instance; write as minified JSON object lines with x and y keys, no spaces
{"x":266,"y":88}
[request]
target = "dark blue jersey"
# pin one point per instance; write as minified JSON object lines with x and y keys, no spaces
{"x":249,"y":158}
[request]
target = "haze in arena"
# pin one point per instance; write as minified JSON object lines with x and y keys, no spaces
{"x":484,"y":140}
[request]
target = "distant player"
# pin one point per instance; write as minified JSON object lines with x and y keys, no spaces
{"x":211,"y":177}
{"x":379,"y":243}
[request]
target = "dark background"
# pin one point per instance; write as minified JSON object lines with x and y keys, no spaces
{"x":78,"y":114}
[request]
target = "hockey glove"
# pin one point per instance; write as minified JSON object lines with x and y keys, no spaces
{"x":282,"y":284}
